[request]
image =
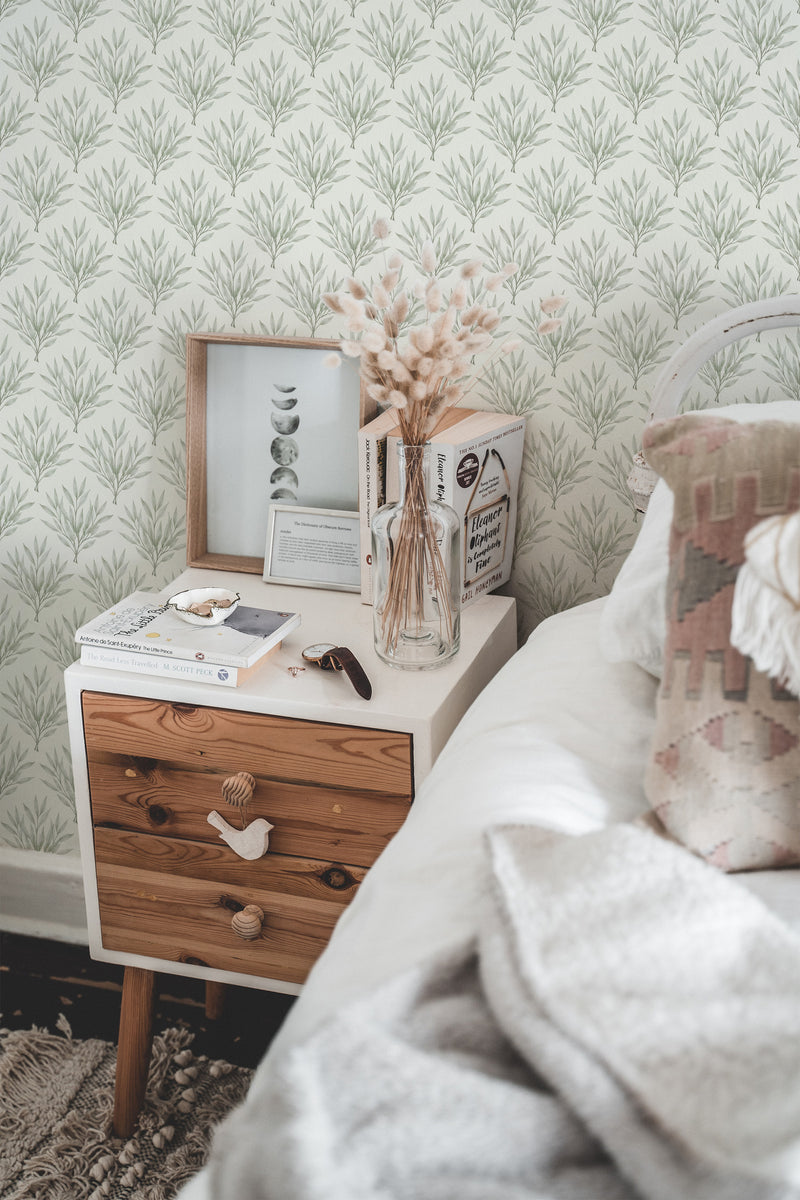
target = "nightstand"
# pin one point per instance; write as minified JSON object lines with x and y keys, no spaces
{"x":334,"y":774}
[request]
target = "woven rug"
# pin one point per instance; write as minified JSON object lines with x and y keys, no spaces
{"x":56,"y":1099}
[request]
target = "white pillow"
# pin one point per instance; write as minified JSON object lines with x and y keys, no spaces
{"x":633,"y":624}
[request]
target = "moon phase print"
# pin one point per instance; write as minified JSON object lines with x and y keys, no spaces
{"x":281,"y":428}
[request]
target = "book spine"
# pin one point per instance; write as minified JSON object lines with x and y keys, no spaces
{"x":120,"y":645}
{"x":371,"y":495}
{"x":150,"y":664}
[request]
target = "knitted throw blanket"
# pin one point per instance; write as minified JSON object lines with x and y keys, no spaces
{"x":627,"y":1024}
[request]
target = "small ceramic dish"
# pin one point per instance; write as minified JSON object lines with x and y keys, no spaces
{"x":204,"y":606}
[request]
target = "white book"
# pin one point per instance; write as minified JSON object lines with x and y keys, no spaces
{"x":142,"y":624}
{"x":171,"y":668}
{"x":371,"y":488}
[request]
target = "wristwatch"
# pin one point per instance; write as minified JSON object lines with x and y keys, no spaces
{"x":339,"y":658}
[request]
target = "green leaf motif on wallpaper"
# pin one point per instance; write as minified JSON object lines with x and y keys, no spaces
{"x":34,"y":828}
{"x":117,"y":328}
{"x":393,"y":41}
{"x":234,"y":24}
{"x":172,"y":468}
{"x":452,"y":246}
{"x":155,"y":269}
{"x":636,"y":211}
{"x":431,"y":9}
{"x":314,"y":161}
{"x":394,"y":173}
{"x":347,"y":231}
{"x":14,"y":768}
{"x":275,"y":90}
{"x":515,"y":14}
{"x":595,"y":537}
{"x":58,"y":767}
{"x":677,"y":281}
{"x":784,"y":235}
{"x":117,"y":69}
{"x":274,"y":221}
{"x":353,"y":102}
{"x":109,"y":579}
{"x":473,"y":185}
{"x":116,"y":459}
{"x":235,"y":280}
{"x":556,"y":197}
{"x":37,"y":187}
{"x":303,"y":288}
{"x":117,"y":199}
{"x":718,"y":88}
{"x":38,"y":317}
{"x":235,"y":150}
{"x":58,"y":640}
{"x":37,"y":574}
{"x":16,"y":637}
{"x":635,"y":78}
{"x":15,"y":379}
{"x":473,"y":53}
{"x":677,"y":149}
{"x":595,"y":401}
{"x":595,"y":137}
{"x":157,"y":19}
{"x":314,"y":31}
{"x":783,"y":99}
{"x":678,"y":24}
{"x":195,"y":209}
{"x":37,"y":56}
{"x":14,"y":246}
{"x":760,"y":28}
{"x":554,"y":67}
{"x":754,"y":280}
{"x":515,"y":128}
{"x":717,"y":220}
{"x":433,"y":114}
{"x":783,"y":367}
{"x":155,"y":139}
{"x":595,"y":271}
{"x":635,"y":341}
{"x":509,"y":385}
{"x":615,"y":467}
{"x":74,"y":387}
{"x":78,"y":15}
{"x":37,"y":445}
{"x":78,"y":518}
{"x":546,"y":588}
{"x":196,"y":80}
{"x":76,"y":256}
{"x":559,"y":465}
{"x":725,"y":369}
{"x":15,"y":120}
{"x":512,"y":243}
{"x":155,"y":529}
{"x":14,"y":504}
{"x":556,"y":348}
{"x":156,"y":397}
{"x":533,"y":525}
{"x":760,"y":161}
{"x":597,"y":18}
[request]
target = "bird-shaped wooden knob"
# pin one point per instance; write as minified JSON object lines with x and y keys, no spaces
{"x":247,"y":923}
{"x":238,"y":789}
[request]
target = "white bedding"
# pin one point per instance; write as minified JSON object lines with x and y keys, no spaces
{"x":558,"y":739}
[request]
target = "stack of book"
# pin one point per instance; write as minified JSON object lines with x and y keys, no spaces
{"x":139,"y":634}
{"x":476,"y":461}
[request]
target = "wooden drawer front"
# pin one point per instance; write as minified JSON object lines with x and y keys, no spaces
{"x":370,"y":760}
{"x":188,"y":920}
{"x":168,"y":798}
{"x":314,"y":879}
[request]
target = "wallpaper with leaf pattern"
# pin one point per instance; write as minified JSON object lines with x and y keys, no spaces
{"x":169,"y":166}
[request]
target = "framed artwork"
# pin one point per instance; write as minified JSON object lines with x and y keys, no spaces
{"x":266,"y":422}
{"x":313,"y":547}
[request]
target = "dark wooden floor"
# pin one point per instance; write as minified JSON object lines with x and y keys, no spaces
{"x":40,"y":979}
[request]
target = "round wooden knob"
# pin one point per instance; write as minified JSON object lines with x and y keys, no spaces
{"x":247,"y":923}
{"x":238,"y":789}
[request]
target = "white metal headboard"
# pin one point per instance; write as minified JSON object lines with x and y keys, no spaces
{"x":681,"y":368}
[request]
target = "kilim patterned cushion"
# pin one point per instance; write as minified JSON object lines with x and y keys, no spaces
{"x":724,"y":770}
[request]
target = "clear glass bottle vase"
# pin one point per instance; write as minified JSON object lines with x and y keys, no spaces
{"x":416,"y":571}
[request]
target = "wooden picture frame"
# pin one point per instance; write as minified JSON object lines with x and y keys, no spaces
{"x":227,"y":537}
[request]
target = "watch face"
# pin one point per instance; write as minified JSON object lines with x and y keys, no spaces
{"x":312,"y":653}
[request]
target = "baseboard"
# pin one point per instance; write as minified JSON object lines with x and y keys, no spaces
{"x":41,"y":895}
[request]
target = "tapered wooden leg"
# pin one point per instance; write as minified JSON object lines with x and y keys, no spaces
{"x":215,"y":999}
{"x":135,"y":1044}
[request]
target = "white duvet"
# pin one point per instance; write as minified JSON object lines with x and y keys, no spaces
{"x":558,"y":739}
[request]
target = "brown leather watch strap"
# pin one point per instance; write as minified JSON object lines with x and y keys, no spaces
{"x":344,"y":660}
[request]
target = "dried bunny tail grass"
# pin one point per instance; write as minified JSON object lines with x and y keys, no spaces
{"x":377,"y":392}
{"x":380,"y":296}
{"x":400,"y":372}
{"x":418,"y":289}
{"x":511,"y":345}
{"x":397,"y":398}
{"x":471,"y":315}
{"x":350,"y":348}
{"x":458,"y":296}
{"x":421,"y":339}
{"x":552,"y":304}
{"x":425,"y":367}
{"x":433,"y":296}
{"x":428,"y":258}
{"x":471,"y":269}
{"x":491,"y":320}
{"x":390,"y":327}
{"x":332,"y":360}
{"x":394,"y":261}
{"x":417,"y":390}
{"x":357,"y":289}
{"x":381,"y":229}
{"x":351,"y":307}
{"x":389,"y":281}
{"x":495,"y":282}
{"x":399,"y":309}
{"x":509,"y":269}
{"x":374,"y":341}
{"x":333,"y":301}
{"x":386,"y":360}
{"x":549,"y":326}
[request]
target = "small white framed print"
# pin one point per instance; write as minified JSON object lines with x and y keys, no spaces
{"x":313,"y":547}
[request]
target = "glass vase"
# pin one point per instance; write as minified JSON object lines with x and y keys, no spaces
{"x":416,"y":572}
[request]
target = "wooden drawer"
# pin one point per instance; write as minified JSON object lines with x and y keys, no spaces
{"x":177,"y":903}
{"x":146,"y":777}
{"x":371,"y":760}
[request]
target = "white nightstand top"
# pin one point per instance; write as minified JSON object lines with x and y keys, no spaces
{"x":427,"y":704}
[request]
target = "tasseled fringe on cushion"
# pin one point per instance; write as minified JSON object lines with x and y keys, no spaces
{"x":765,"y":616}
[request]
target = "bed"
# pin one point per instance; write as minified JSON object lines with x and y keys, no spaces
{"x":523,"y":1019}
